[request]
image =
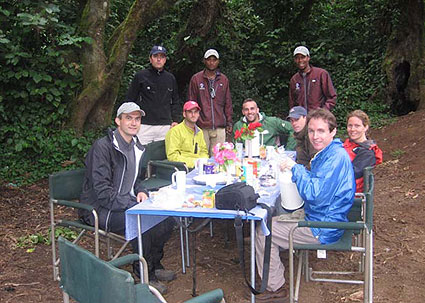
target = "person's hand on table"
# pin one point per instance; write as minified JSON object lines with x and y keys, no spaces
{"x":286,"y":164}
{"x":141,"y":197}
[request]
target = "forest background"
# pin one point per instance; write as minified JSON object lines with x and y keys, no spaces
{"x":66,"y":65}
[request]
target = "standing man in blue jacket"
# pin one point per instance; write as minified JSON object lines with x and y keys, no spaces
{"x":155,"y":90}
{"x":328,"y":193}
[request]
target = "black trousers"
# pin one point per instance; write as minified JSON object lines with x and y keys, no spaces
{"x":153,"y":240}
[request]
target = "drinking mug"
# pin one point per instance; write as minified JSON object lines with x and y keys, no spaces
{"x":208,"y":168}
{"x":179,"y":181}
{"x":199,"y":165}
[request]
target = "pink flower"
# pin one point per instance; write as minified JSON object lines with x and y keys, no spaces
{"x":224,"y":154}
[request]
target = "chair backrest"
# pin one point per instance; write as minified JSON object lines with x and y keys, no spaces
{"x":66,"y":185}
{"x":154,"y":151}
{"x":88,"y":279}
{"x":369,"y":188}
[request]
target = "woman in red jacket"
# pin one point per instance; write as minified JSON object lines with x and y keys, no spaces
{"x":363,"y":152}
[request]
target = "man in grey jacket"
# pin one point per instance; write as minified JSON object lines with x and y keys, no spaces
{"x":112,"y":185}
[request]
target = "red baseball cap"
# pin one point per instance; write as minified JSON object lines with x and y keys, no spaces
{"x":190,"y":105}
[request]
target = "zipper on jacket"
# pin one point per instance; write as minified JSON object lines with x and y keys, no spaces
{"x":212,"y":112}
{"x":108,"y":216}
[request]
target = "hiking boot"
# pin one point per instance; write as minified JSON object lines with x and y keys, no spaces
{"x":159,"y":286}
{"x":279,"y":296}
{"x":165,"y":275}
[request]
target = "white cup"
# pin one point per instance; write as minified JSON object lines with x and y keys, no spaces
{"x":179,"y":181}
{"x":199,"y":165}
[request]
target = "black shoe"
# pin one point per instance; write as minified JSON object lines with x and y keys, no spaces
{"x":165,"y":275}
{"x":136,"y":271}
{"x":279,"y":296}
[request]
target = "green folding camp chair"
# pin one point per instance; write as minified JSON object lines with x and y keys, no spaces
{"x":357,"y":237}
{"x":88,"y":279}
{"x":64,"y":190}
{"x":159,"y":169}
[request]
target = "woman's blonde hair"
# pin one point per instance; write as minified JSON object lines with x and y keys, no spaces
{"x":360,"y":115}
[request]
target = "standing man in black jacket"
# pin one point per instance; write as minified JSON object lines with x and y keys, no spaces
{"x":155,"y":90}
{"x":112,"y":185}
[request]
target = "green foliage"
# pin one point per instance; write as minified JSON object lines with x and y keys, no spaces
{"x":64,"y":232}
{"x":397,"y":153}
{"x":31,"y":241}
{"x":42,"y":152}
{"x":39,"y":75}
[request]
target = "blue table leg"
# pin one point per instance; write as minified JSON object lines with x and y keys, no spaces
{"x":252,"y":258}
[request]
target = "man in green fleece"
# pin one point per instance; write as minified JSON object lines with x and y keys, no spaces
{"x":273,"y":127}
{"x":185,"y":142}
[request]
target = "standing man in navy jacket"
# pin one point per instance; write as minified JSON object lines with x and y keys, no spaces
{"x":210,"y":88}
{"x":311,"y":87}
{"x":155,"y":90}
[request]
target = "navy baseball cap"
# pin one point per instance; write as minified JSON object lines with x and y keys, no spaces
{"x":296,"y":112}
{"x":157,"y":49}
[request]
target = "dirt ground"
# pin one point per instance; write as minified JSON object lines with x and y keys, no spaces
{"x":399,"y":267}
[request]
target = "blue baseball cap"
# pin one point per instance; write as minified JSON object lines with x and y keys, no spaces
{"x":296,"y":112}
{"x":157,"y":49}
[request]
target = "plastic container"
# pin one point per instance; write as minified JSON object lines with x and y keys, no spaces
{"x":291,"y":199}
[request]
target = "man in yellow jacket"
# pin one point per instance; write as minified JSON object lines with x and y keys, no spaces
{"x":185,"y":142}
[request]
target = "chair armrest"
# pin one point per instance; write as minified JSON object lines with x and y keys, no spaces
{"x":177,"y":164}
{"x":74,"y":204}
{"x":213,"y":296}
{"x":337,"y":225}
{"x":124,"y":260}
{"x":162,"y":165}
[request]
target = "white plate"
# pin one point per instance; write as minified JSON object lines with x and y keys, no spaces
{"x":210,"y":178}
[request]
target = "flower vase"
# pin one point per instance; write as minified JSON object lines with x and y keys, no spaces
{"x":248,"y":145}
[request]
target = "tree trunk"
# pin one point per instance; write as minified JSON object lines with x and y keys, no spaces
{"x":404,"y":63}
{"x":103,"y":67}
